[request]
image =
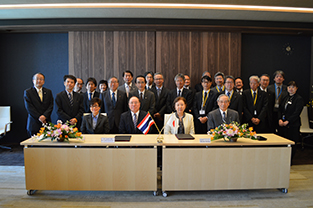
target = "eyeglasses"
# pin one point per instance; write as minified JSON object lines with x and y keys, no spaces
{"x":94,"y":106}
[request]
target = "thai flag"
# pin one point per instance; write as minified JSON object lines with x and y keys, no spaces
{"x":145,"y":124}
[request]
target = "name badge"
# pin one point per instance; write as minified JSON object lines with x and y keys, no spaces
{"x":276,"y":105}
{"x":107,"y":140}
{"x":205,"y":140}
{"x":255,"y":112}
{"x":201,"y":112}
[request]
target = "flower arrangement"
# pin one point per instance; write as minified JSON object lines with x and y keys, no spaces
{"x":60,"y":132}
{"x":232,"y":132}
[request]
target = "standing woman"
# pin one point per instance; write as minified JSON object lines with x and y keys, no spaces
{"x":289,"y":115}
{"x":179,"y":122}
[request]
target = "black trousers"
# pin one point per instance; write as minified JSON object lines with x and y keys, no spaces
{"x":291,"y":133}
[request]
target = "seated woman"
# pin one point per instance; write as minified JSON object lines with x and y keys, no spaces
{"x":179,"y":122}
{"x":95,"y":123}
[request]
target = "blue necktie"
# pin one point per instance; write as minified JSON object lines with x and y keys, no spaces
{"x":113,"y":99}
{"x":90,"y":94}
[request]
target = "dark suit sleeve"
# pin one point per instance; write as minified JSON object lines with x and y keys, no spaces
{"x":168,"y":103}
{"x":246,"y":111}
{"x":237,"y":118}
{"x":210,"y":122}
{"x":61,"y":113}
{"x":189,"y":100}
{"x":164,"y":107}
{"x":296,"y":113}
{"x":194,"y":108}
{"x":80,"y":111}
{"x":83,"y":127}
{"x":122,"y":126}
{"x":49,"y":110}
{"x":106,"y":125}
{"x":31,"y":109}
{"x":152,"y":104}
{"x":263,"y":113}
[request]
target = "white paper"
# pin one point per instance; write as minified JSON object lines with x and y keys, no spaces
{"x":205,"y":140}
{"x":107,"y":140}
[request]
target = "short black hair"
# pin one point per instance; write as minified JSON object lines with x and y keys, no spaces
{"x":292,"y":83}
{"x":266,"y":75}
{"x":94,"y":100}
{"x":91,"y":79}
{"x":127,"y":71}
{"x":141,"y":77}
{"x":279,"y":72}
{"x":68,"y":76}
{"x":103,"y":82}
{"x":238,"y":78}
{"x":149,"y":72}
{"x":39,"y":74}
{"x":230,"y":77}
{"x":209,"y":79}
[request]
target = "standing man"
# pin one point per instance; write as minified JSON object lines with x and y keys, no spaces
{"x":146,"y":97}
{"x":204,"y":102}
{"x":91,"y":86}
{"x":255,"y":106}
{"x":69,"y":103}
{"x":280,"y":92}
{"x":131,"y":118}
{"x":128,"y":86}
{"x":219,"y":81}
{"x":239,"y":85}
{"x":149,"y":80}
{"x":160,"y":94}
{"x":264,"y":82}
{"x":198,"y":86}
{"x":79,"y":85}
{"x":114,"y":103}
{"x":180,"y":91}
{"x":223,"y":114}
{"x":38,"y":103}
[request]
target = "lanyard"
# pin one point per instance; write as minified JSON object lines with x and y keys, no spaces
{"x":256,"y":95}
{"x":281,"y":89}
{"x":219,"y":90}
{"x":205,"y":98}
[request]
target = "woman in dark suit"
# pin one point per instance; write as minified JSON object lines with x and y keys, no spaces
{"x":95,"y":122}
{"x":289,"y":115}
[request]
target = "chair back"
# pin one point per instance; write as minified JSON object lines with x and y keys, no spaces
{"x":304,"y":119}
{"x":5,"y":118}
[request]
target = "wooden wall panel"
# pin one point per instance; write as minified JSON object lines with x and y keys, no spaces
{"x":108,"y":53}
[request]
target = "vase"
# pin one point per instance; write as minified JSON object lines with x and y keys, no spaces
{"x":60,"y":139}
{"x":231,"y":139}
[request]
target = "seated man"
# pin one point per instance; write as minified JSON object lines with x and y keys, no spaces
{"x":130,"y":119}
{"x":222,"y":114}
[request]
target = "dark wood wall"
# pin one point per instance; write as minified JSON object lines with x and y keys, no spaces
{"x":108,"y":53}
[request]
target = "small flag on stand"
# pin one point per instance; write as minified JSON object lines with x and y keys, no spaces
{"x":146,"y":124}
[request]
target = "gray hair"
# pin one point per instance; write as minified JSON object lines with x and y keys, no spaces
{"x":254,"y":77}
{"x":205,"y":73}
{"x":113,"y":78}
{"x":158,"y":73}
{"x":179,"y":75}
{"x":222,"y":95}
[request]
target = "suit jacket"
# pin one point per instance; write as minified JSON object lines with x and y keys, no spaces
{"x":126,"y":124}
{"x":210,"y":105}
{"x":215,"y":118}
{"x":284,"y":93}
{"x":198,"y":87}
{"x":148,"y":101}
{"x":293,"y":110}
{"x":86,"y":100}
{"x":35,"y":108}
{"x":123,"y":89}
{"x":187,"y":94}
{"x":160,"y":101}
{"x":102,"y":126}
{"x":171,"y":126}
{"x":113,"y":112}
{"x":65,"y":111}
{"x":153,"y":85}
{"x":215,"y":89}
{"x":236,"y":103}
{"x":270,"y":107}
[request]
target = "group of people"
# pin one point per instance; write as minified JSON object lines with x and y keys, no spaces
{"x":119,"y":108}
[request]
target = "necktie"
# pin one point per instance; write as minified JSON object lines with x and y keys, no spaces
{"x":228,"y":94}
{"x":278,"y":91}
{"x":140,"y":96}
{"x":40,"y":95}
{"x":135,"y":121}
{"x":113,"y":99}
{"x":254,"y":94}
{"x":158,"y":92}
{"x":90,"y":94}
{"x":204,"y":100}
{"x":71,"y":98}
{"x":178,"y":94}
{"x":127,"y":90}
{"x":224,"y":117}
{"x":219,"y":89}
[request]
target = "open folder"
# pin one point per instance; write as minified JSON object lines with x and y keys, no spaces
{"x":184,"y":137}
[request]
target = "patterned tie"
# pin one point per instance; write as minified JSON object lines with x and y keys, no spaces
{"x":71,"y":98}
{"x":135,"y":121}
{"x":40,"y":94}
{"x":158,"y":91}
{"x":228,"y":94}
{"x":113,"y":99}
{"x":178,"y":94}
{"x":90,"y":96}
{"x":224,"y":117}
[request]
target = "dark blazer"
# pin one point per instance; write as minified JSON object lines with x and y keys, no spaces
{"x":160,"y":102}
{"x":215,"y":118}
{"x":187,"y":94}
{"x":122,"y":88}
{"x":35,"y":108}
{"x":126,"y":124}
{"x":65,"y":111}
{"x":153,"y":85}
{"x":260,"y":108}
{"x":236,"y":103}
{"x":271,"y":90}
{"x":210,"y":105}
{"x":102,"y":126}
{"x":198,"y":87}
{"x":270,"y":109}
{"x":147,"y":103}
{"x":113,"y":113}
{"x":293,"y":110}
{"x":86,"y":101}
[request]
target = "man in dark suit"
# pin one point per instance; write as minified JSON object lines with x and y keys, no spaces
{"x":79,"y":85}
{"x":280,"y":92}
{"x":180,"y":91}
{"x":149,"y":79}
{"x":223,"y":114}
{"x":264,"y":82}
{"x":146,"y":97}
{"x":38,"y":103}
{"x":131,"y":118}
{"x":219,"y":78}
{"x":128,"y":86}
{"x":69,"y":103}
{"x":91,"y":86}
{"x":255,"y":106}
{"x":236,"y":101}
{"x":204,"y":102}
{"x":160,"y":94}
{"x":198,"y":86}
{"x":114,"y":103}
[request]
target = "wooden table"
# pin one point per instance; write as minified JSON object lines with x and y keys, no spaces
{"x":91,"y":165}
{"x":219,"y":165}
